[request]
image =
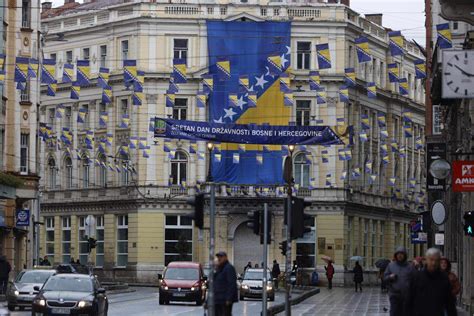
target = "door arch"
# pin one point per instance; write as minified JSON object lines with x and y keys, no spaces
{"x":247,"y":248}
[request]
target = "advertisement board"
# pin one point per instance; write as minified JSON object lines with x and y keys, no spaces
{"x":463,"y":175}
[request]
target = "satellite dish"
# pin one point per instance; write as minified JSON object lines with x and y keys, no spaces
{"x":438,"y":212}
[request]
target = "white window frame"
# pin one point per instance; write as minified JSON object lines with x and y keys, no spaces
{"x":85,"y":169}
{"x":181,"y":52}
{"x":125,"y":49}
{"x":69,"y":173}
{"x":180,"y":111}
{"x":381,"y":239}
{"x":49,"y":227}
{"x":179,"y":168}
{"x":99,"y":250}
{"x":86,"y":53}
{"x":305,"y":112}
{"x":52,"y":173}
{"x":24,"y":153}
{"x":181,"y":227}
{"x":303,"y":169}
{"x":65,"y":226}
{"x":305,"y":56}
{"x":69,"y":57}
{"x":83,"y":256}
{"x":122,"y":223}
{"x":103,"y":56}
{"x":373,"y":241}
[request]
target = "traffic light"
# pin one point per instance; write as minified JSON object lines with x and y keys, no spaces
{"x":300,"y":222}
{"x":283,"y":247}
{"x":92,"y":243}
{"x":254,"y":221}
{"x":469,"y":223}
{"x":198,"y":216}
{"x":269,"y":228}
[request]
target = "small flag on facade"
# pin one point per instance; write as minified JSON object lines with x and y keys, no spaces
{"x":321,"y":96}
{"x":408,"y":131}
{"x":48,"y":71}
{"x":208,"y":83}
{"x":392,"y":181}
{"x":393,"y":73}
{"x":51,"y":89}
{"x":444,"y":36}
{"x":179,"y":70}
{"x":33,"y":68}
{"x":285,"y":86}
{"x":244,"y":83}
{"x":223,"y":68}
{"x":107,"y":95}
{"x":314,"y":80}
{"x":173,"y":86}
{"x":363,"y":51}
{"x":129,"y":72}
{"x":83,"y":72}
{"x":344,"y":94}
{"x":103,"y":79}
{"x":68,"y":73}
{"x":328,"y":180}
{"x":368,"y":166}
{"x":125,"y":123}
{"x":420,"y":69}
{"x":289,"y":99}
{"x":396,"y":43}
{"x":364,"y":121}
{"x":170,"y":98}
{"x":21,"y":69}
{"x":324,"y":56}
{"x":103,"y":119}
{"x":60,"y":111}
{"x":350,"y":77}
{"x":201,"y":99}
{"x":371,"y":90}
{"x":381,"y":119}
{"x":75,"y":91}
{"x":403,"y":86}
{"x":193,"y":147}
{"x":325,"y":156}
{"x":241,"y":148}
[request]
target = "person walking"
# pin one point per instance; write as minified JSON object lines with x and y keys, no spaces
{"x":248,"y":266}
{"x":5,"y":269}
{"x":430,"y":291}
{"x":225,"y":286}
{"x":383,"y":286}
{"x":358,"y":276}
{"x":397,"y":277}
{"x":445,"y":266}
{"x":46,"y":261}
{"x":275,"y":273}
{"x":329,"y":273}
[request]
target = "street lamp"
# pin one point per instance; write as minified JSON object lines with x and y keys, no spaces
{"x":210,"y":147}
{"x":291,"y":149}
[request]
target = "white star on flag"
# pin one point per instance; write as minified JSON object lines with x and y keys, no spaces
{"x":268,"y":74}
{"x":251,"y":89}
{"x":261,"y":81}
{"x":283,"y":61}
{"x":219,"y":120}
{"x":229,"y":113}
{"x":288,"y":50}
{"x":241,"y":102}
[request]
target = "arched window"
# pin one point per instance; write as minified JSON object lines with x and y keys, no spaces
{"x":68,"y":172}
{"x":85,"y":166}
{"x":52,"y":173}
{"x":102,"y":170}
{"x":301,"y":170}
{"x":179,"y":168}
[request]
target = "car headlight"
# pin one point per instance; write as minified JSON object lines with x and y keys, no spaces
{"x":164,"y":287}
{"x":193,"y":288}
{"x":269,"y":288}
{"x":245,"y":286}
{"x":83,"y":304}
{"x":16,"y":293}
{"x":40,"y":302}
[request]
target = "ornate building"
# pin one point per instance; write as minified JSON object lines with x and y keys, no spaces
{"x":139,"y":202}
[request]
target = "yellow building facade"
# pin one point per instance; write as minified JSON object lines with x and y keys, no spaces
{"x":140,"y":209}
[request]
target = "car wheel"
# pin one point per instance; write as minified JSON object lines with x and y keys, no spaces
{"x":11,"y":308}
{"x":242,"y":297}
{"x":199,"y":301}
{"x":161,"y":302}
{"x":272,"y":298}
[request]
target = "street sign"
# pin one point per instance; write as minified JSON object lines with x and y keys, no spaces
{"x":434,"y":152}
{"x":419,"y":238}
{"x":438,"y":212}
{"x":439,"y":239}
{"x":22,"y":217}
{"x":463,"y":176}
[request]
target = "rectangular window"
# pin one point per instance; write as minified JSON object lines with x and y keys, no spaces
{"x":223,"y":10}
{"x":303,"y":112}
{"x":263,"y":12}
{"x":49,"y":246}
{"x":381,"y":239}
{"x":122,"y":240}
{"x":276,"y":12}
{"x":210,"y":10}
{"x":455,"y":25}
{"x":350,"y":241}
{"x":178,"y":239}
{"x":122,"y":110}
{"x":180,"y":109}
{"x":53,"y":56}
{"x":124,"y":50}
{"x":25,"y":13}
{"x":366,"y":238}
{"x":99,"y":236}
{"x":83,"y":244}
{"x":85,"y":108}
{"x":24,"y":153}
{"x":67,"y":117}
{"x":25,"y":93}
{"x":397,"y":235}
{"x":66,"y":238}
{"x":303,"y":55}
{"x":373,"y":242}
{"x":180,"y":48}
{"x":306,"y":248}
{"x":69,"y":57}
{"x":86,"y":53}
{"x":103,"y":56}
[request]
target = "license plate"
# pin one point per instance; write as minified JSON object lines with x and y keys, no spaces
{"x":179,"y":294}
{"x":64,"y":311}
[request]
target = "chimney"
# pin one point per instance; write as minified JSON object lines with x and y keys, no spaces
{"x":45,"y":6}
{"x":375,"y":18}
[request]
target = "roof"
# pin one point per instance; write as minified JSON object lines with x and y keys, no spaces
{"x":183,"y":264}
{"x":72,"y":276}
{"x":75,"y":7}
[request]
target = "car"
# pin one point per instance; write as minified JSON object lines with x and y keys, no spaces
{"x":183,"y":282}
{"x":70,"y":294}
{"x":20,"y":292}
{"x":251,"y":285}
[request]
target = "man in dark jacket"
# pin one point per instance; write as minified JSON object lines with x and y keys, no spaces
{"x":5,"y":269}
{"x":398,"y":277}
{"x":430,"y":291}
{"x":225,"y":286}
{"x":275,"y":273}
{"x":358,"y":276}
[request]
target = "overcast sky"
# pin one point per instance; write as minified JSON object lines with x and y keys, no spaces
{"x":404,"y":15}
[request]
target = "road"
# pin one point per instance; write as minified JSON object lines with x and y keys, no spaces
{"x":144,"y":302}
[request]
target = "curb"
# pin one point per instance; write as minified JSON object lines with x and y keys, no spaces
{"x":278,"y":308}
{"x":121,"y":291}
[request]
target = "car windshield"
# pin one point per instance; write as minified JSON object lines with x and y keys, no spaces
{"x":68,"y":284}
{"x":255,"y":275}
{"x":182,"y":274}
{"x":33,"y":276}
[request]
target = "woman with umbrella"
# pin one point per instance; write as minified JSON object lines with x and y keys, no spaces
{"x":358,"y":276}
{"x":329,"y":270}
{"x":382,"y":265}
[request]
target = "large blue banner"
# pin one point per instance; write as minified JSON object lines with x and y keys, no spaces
{"x":259,"y":51}
{"x":245,"y":133}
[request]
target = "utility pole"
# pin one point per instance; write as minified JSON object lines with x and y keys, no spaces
{"x":265,"y":255}
{"x":429,"y":37}
{"x":212,"y":223}
{"x":288,"y":176}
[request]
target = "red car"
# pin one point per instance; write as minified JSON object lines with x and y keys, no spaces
{"x":183,"y":282}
